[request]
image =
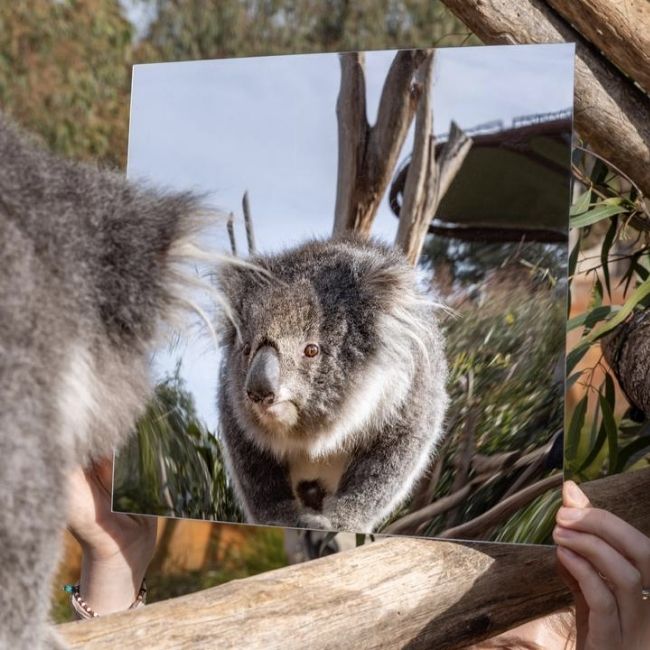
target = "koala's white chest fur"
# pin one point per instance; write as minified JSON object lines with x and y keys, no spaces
{"x":327,"y":470}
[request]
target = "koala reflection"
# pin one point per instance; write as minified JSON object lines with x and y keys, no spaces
{"x":333,"y":385}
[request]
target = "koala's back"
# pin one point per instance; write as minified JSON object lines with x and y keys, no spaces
{"x":85,"y":278}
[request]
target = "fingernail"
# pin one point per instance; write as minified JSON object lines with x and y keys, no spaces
{"x":570,"y":514}
{"x":567,"y":552}
{"x":560,"y":531}
{"x":576,"y":495}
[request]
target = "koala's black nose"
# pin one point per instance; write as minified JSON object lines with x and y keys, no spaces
{"x":266,"y":399}
{"x":263,"y":379}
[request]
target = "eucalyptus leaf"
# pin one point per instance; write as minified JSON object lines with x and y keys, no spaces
{"x":596,"y":214}
{"x":641,"y":292}
{"x":609,"y":425}
{"x":581,"y":204}
{"x":573,"y":432}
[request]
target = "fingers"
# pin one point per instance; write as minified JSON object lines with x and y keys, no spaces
{"x":604,"y":625}
{"x":622,"y":575}
{"x":626,"y":539}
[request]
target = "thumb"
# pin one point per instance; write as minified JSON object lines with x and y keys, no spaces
{"x":573,"y":496}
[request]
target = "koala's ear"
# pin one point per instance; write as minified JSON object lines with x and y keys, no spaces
{"x":387,"y":282}
{"x":230,"y":279}
{"x":235,"y":281}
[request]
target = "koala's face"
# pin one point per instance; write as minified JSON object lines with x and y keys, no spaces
{"x":303,"y":340}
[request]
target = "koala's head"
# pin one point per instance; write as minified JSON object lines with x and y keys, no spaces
{"x":306,"y":331}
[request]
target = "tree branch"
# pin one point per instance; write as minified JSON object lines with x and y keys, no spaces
{"x":471,"y":529}
{"x":619,"y":28}
{"x":353,"y":131}
{"x":367,"y":155}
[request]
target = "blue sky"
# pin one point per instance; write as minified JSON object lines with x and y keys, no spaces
{"x":268,"y":125}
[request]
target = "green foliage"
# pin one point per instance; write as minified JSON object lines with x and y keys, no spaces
{"x":503,"y":351}
{"x":173,"y":466}
{"x":608,"y":216}
{"x":533,"y":524}
{"x":65,"y":74}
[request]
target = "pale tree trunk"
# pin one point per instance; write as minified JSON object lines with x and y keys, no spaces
{"x":611,"y":113}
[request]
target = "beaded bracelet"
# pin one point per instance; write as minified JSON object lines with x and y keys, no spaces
{"x":85,"y":611}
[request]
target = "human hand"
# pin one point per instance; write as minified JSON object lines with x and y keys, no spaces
{"x":117,"y":548}
{"x":606,"y":564}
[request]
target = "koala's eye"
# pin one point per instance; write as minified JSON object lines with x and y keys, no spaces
{"x":246,"y":350}
{"x":311,"y":350}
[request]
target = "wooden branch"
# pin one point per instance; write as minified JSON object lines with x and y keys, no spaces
{"x":395,"y":593}
{"x":415,"y":521}
{"x":482,"y":463}
{"x":611,"y":114}
{"x":471,"y":529}
{"x":353,"y":131}
{"x":619,"y":28}
{"x":248,"y":221}
{"x":451,"y":159}
{"x":367,"y":155}
{"x":412,"y":521}
{"x":410,"y":228}
{"x":231,"y":233}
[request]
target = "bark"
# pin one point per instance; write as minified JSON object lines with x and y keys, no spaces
{"x":368,"y":154}
{"x":619,"y":28}
{"x":627,"y":351}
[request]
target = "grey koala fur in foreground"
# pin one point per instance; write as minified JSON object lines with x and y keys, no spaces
{"x":332,"y":383}
{"x":91,"y":265}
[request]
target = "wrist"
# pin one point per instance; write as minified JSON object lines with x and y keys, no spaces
{"x":111,"y":578}
{"x":110,"y":586}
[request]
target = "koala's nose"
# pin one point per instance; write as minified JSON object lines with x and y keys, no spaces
{"x":263,"y":379}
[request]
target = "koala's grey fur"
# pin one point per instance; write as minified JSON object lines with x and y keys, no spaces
{"x":346,"y":433}
{"x":89,"y":267}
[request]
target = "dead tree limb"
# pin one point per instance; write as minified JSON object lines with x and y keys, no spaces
{"x":473,"y":528}
{"x":368,"y":154}
{"x":611,"y":114}
{"x":422,"y":174}
{"x":619,"y":28}
{"x":417,"y":520}
{"x":230,"y":226}
{"x":427,"y":181}
{"x":395,"y":593}
{"x":248,"y":221}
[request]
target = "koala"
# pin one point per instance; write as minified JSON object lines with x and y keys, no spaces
{"x":92,"y":267}
{"x":332,"y":380}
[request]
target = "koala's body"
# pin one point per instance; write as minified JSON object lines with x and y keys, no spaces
{"x":332,"y":390}
{"x":89,"y":269}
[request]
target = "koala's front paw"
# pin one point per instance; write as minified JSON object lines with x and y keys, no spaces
{"x":314,"y":521}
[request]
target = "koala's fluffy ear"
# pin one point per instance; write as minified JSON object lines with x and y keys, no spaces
{"x":234,"y":279}
{"x":389,"y":282}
